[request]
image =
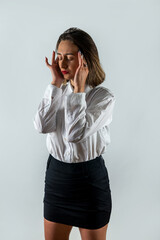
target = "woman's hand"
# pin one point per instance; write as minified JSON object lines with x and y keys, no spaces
{"x":80,"y":74}
{"x":57,"y":76}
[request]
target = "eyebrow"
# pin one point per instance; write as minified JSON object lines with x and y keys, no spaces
{"x":65,"y":54}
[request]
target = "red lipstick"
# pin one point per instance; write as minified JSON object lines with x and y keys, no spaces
{"x":64,"y":72}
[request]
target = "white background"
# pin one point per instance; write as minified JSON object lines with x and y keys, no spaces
{"x":127,"y":35}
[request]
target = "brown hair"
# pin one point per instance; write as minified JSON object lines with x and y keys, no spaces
{"x":88,"y":48}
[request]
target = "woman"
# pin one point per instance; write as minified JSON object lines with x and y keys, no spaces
{"x":75,"y":112}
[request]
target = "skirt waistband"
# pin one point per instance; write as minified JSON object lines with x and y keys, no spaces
{"x":80,"y":167}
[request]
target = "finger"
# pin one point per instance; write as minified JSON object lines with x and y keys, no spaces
{"x":80,"y":59}
{"x":57,"y":59}
{"x":46,"y":60}
{"x":85,"y":64}
{"x":87,"y":71}
{"x":53,"y":57}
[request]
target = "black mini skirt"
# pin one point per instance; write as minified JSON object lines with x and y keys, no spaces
{"x":77,"y":194}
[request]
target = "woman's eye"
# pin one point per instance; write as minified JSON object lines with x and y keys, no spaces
{"x":70,"y":59}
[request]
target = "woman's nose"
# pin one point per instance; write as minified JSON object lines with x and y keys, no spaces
{"x":63,"y":63}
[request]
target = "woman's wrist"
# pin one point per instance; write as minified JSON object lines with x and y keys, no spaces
{"x":77,"y":90}
{"x":55,"y":84}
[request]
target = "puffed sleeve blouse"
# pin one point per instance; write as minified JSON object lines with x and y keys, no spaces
{"x":76,"y":124}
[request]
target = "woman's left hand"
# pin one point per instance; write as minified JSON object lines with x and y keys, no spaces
{"x":80,"y":74}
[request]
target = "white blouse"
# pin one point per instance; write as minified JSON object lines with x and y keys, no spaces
{"x":77,"y":124}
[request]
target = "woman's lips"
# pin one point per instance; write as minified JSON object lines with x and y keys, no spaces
{"x":64,"y":72}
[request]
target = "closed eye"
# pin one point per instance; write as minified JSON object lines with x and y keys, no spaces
{"x":69,"y":59}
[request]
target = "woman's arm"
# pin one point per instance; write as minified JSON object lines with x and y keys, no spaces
{"x":82,"y":121}
{"x":45,"y":117}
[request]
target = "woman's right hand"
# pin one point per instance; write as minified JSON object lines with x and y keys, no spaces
{"x":57,"y":75}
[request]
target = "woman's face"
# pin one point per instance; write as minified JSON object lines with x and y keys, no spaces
{"x":67,"y":54}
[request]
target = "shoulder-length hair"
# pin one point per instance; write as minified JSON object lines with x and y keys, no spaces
{"x":88,"y":48}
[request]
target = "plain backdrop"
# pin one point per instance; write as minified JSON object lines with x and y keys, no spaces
{"x":127,"y":35}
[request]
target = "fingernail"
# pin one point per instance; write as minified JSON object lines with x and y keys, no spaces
{"x":81,"y":53}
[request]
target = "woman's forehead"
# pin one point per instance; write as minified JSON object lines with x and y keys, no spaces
{"x":67,"y":47}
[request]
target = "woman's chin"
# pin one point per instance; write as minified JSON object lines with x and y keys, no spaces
{"x":67,"y":78}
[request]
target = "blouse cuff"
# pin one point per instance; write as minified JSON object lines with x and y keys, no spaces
{"x":52,"y":92}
